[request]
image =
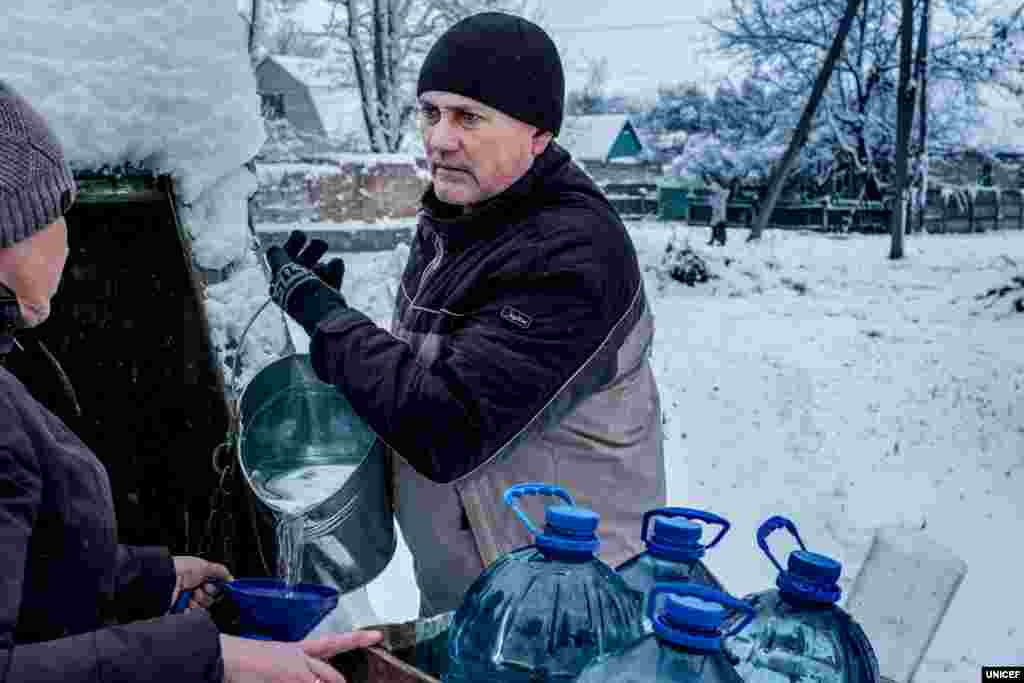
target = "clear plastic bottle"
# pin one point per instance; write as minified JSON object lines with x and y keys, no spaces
{"x":674,"y":552}
{"x":541,"y":613}
{"x":686,"y":643}
{"x":799,"y":633}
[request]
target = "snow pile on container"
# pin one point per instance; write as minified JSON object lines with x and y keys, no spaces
{"x":165,"y":85}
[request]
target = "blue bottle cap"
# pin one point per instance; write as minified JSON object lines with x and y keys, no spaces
{"x":814,"y":566}
{"x":811,"y":576}
{"x":571,"y":519}
{"x":691,"y":612}
{"x":569,"y":531}
{"x":691,"y":622}
{"x":676,"y":539}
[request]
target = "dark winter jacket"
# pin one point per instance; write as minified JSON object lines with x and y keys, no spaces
{"x":65,"y":582}
{"x":490,"y":299}
{"x":519,"y":352}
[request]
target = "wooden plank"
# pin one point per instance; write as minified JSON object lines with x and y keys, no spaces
{"x":376,"y":665}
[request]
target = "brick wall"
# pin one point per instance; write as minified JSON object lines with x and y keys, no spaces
{"x":353,"y":190}
{"x":371,"y":191}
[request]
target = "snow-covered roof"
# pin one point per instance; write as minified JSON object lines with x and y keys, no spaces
{"x":314,"y":73}
{"x":591,"y":137}
{"x":339,"y":106}
{"x":341,"y":111}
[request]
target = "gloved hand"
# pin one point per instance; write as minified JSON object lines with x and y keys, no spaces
{"x":305,"y":290}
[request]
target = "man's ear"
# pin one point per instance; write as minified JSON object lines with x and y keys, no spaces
{"x":540,"y":142}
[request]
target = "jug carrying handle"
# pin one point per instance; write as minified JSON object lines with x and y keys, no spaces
{"x":687,"y":513}
{"x":772,"y":524}
{"x":533,"y":489}
{"x":684,"y":589}
{"x":186,"y":594}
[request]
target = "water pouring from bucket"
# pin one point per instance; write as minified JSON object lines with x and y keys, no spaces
{"x":318,"y":481}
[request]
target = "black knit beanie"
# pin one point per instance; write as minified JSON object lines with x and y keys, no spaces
{"x":36,"y":184}
{"x":504,"y":61}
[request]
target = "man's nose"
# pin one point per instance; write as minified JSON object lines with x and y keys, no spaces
{"x":443,"y":135}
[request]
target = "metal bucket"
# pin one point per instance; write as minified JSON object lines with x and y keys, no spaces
{"x":287,"y":419}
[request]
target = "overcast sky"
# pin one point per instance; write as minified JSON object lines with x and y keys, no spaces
{"x":646,"y":42}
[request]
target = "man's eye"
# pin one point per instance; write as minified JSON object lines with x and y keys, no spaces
{"x":430,"y":113}
{"x":470,"y":119}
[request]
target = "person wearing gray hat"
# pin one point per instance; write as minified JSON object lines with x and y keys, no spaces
{"x":520,"y":343}
{"x":76,"y":605}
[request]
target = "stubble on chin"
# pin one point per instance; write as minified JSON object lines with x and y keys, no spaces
{"x":34,"y":314}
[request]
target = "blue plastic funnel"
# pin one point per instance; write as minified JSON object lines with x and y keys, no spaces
{"x":268,"y":610}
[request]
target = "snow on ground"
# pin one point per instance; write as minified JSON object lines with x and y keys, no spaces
{"x":818,"y":380}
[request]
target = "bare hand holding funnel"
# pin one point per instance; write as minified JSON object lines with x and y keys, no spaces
{"x":255,"y":661}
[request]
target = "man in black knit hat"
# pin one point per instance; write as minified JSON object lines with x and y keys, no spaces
{"x":520,"y":342}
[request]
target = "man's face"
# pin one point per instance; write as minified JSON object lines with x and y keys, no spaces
{"x":32,"y":268}
{"x":475,"y":152}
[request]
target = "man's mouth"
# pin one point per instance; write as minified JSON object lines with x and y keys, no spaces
{"x":450,"y":169}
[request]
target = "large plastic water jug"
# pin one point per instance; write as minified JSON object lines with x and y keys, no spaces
{"x":542,"y":612}
{"x":686,"y":645}
{"x":799,"y":632}
{"x":674,"y":552}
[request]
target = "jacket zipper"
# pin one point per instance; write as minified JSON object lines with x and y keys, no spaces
{"x":431,"y":267}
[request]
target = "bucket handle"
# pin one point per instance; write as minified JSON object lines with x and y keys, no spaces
{"x":533,"y":489}
{"x":773,"y":524}
{"x":235,"y":365}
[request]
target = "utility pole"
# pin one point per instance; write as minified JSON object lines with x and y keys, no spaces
{"x":803,"y":128}
{"x":904,"y":119}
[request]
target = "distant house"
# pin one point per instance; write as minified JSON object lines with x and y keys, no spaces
{"x":609,"y":148}
{"x":305,"y":92}
{"x":601,"y":137}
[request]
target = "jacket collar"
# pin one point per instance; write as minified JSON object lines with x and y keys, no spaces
{"x":497,"y":213}
{"x":10,"y":319}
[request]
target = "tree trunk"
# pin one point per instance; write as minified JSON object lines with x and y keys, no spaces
{"x":921,"y":67}
{"x":803,"y":127}
{"x":254,"y":13}
{"x":362,"y":77}
{"x":904,"y":118}
{"x":380,"y":77}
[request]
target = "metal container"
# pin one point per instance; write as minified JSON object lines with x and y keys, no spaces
{"x":288,"y":419}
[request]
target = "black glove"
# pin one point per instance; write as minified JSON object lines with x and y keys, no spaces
{"x":295,"y":280}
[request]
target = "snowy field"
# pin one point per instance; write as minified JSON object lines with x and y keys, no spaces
{"x":818,"y":380}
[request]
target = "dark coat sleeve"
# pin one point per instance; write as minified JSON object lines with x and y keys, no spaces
{"x":491,"y":377}
{"x":182,"y":648}
{"x":145,"y":582}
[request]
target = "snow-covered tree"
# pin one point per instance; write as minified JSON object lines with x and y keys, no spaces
{"x":784,"y":40}
{"x":381,"y":44}
{"x":275,"y":29}
{"x":735,"y":136}
{"x":678,"y":110}
{"x":592,"y":98}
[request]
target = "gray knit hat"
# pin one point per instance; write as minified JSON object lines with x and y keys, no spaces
{"x":36,"y":185}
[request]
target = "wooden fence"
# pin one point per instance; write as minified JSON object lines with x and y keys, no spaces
{"x":963,"y":212}
{"x":946,"y":212}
